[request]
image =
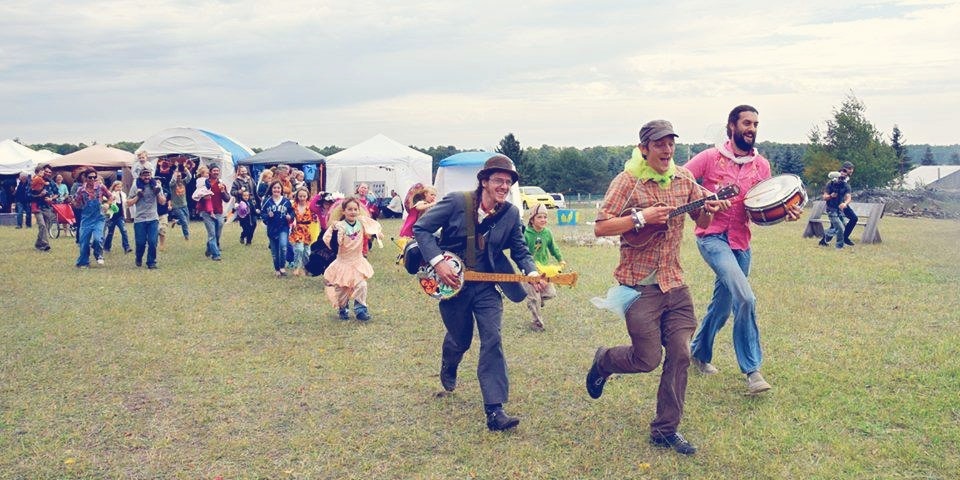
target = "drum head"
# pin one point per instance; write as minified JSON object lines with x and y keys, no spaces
{"x":772,"y":191}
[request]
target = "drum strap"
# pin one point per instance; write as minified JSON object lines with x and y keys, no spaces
{"x":470,"y":224}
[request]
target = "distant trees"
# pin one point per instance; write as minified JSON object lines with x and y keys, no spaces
{"x":927,"y":158}
{"x":510,"y":146}
{"x":127,"y":146}
{"x":904,"y":163}
{"x":850,"y":137}
{"x":784,"y":157}
{"x":61,"y":148}
{"x":955,"y":158}
{"x":438,"y":153}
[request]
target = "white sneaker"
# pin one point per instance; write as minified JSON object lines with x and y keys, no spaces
{"x":756,"y":384}
{"x":704,"y":367}
{"x":99,"y":261}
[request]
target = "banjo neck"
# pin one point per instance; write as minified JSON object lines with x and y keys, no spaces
{"x":560,"y":279}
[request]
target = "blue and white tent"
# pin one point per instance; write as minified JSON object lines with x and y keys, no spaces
{"x":458,"y":172}
{"x":209,"y":147}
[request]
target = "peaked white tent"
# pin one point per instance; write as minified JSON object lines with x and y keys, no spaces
{"x":16,"y":158}
{"x":459,"y":172}
{"x":382,"y":163}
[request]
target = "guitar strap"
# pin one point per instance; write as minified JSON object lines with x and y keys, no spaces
{"x":470,"y":224}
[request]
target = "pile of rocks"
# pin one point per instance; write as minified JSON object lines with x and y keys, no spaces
{"x":914,"y":203}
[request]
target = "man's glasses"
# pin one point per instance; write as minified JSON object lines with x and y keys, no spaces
{"x":496,"y":182}
{"x":91,"y":177}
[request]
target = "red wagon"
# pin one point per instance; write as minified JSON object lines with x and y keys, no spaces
{"x":66,"y":221}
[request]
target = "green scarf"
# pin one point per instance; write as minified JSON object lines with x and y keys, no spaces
{"x":638,"y":167}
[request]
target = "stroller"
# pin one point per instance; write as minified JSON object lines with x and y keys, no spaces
{"x":66,"y":221}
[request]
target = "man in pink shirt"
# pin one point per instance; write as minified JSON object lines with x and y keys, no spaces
{"x":725,"y":246}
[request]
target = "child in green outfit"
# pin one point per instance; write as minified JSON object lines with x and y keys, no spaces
{"x":541,"y":245}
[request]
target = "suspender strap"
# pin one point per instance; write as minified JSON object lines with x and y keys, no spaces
{"x":470,"y":224}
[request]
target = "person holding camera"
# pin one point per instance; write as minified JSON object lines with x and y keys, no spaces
{"x":837,"y":196}
{"x":144,"y":196}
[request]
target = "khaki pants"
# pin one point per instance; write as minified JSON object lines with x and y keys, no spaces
{"x":535,"y":300}
{"x":44,"y":218}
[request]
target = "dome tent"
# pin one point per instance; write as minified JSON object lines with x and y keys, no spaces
{"x":208,"y":147}
{"x":383,"y":163}
{"x":458,"y":172}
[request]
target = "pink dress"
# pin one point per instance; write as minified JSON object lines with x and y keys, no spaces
{"x":407,"y":229}
{"x":350,"y":269}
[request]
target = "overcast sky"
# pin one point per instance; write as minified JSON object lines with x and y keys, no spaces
{"x":427,"y":73}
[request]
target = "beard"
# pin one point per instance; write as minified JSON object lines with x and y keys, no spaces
{"x":741,"y":142}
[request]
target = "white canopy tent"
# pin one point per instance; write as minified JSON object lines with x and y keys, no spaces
{"x":16,"y":158}
{"x":382,"y":163}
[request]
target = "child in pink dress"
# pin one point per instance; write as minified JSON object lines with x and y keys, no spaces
{"x":347,"y":276}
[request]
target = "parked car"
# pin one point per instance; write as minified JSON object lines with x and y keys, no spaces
{"x":532,"y":195}
{"x":558,"y":200}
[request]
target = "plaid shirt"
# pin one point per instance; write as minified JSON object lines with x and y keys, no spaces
{"x":626,"y":192}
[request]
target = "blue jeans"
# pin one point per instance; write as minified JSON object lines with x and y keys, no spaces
{"x":731,"y":293}
{"x":23,"y":210}
{"x":301,"y":255}
{"x":214,"y":224}
{"x":278,"y":248}
{"x":836,"y":227}
{"x":115,"y":222}
{"x":145,"y":236}
{"x":183,"y":218}
{"x":91,"y":232}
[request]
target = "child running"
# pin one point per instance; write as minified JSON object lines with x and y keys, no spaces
{"x":347,"y":276}
{"x":246,"y":211}
{"x":277,"y":213}
{"x":300,"y":237}
{"x":541,"y":245}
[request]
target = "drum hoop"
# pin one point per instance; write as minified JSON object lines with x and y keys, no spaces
{"x":796,"y":187}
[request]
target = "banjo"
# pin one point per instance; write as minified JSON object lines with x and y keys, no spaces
{"x":645,"y":236}
{"x":432,"y":286}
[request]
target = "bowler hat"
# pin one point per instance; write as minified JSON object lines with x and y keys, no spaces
{"x":498,"y":163}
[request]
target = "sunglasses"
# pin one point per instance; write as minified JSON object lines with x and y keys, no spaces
{"x":91,"y":177}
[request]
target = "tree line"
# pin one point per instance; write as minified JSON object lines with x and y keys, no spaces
{"x":846,"y":136}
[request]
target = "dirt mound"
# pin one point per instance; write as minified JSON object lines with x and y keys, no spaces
{"x":914,"y":203}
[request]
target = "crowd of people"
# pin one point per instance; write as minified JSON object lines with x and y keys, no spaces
{"x":486,"y":233}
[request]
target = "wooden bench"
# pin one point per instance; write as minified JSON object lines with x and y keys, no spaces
{"x":869,"y":215}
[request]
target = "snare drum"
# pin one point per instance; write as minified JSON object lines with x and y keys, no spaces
{"x":767,"y":202}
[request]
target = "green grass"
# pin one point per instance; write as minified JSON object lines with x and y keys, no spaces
{"x":203,"y":369}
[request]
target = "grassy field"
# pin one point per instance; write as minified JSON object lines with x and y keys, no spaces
{"x":204,"y":370}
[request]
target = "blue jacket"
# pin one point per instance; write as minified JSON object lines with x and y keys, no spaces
{"x":506,"y":232}
{"x":279,"y":224}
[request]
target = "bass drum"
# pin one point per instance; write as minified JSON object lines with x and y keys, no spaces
{"x":768,"y":202}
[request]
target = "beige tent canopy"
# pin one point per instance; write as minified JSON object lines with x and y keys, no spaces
{"x":101,"y":157}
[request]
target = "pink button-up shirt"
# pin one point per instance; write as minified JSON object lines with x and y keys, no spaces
{"x":715,"y":168}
